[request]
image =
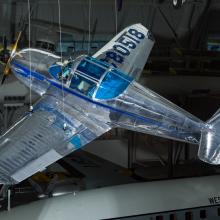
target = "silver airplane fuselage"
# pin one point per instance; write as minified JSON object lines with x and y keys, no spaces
{"x":136,"y":108}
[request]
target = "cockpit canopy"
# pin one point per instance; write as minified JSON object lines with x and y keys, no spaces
{"x":94,"y":78}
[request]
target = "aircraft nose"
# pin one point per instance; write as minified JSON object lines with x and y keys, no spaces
{"x":35,"y":60}
{"x":21,"y":59}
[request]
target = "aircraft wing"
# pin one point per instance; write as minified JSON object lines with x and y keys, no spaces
{"x":128,"y":50}
{"x":39,"y":139}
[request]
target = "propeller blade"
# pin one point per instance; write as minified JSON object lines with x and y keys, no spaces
{"x":16,"y":44}
{"x":6,"y":73}
{"x":3,"y":79}
{"x":7,"y":66}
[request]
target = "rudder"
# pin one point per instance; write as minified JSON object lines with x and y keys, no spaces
{"x":209,"y":147}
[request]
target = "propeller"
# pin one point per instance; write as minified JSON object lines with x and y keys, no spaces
{"x":7,"y":66}
{"x":4,"y":53}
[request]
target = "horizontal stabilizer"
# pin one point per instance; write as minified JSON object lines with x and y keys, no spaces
{"x":209,"y":149}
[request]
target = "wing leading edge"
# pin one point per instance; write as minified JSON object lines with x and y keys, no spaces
{"x":39,"y":139}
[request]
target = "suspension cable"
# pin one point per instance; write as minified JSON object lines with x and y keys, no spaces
{"x":30,"y":58}
{"x":61,"y":56}
{"x":89,"y":35}
{"x":116,"y":17}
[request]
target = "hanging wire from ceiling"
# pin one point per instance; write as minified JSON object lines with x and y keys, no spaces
{"x":89,"y":34}
{"x":61,"y":57}
{"x":116,"y":17}
{"x":30,"y":58}
{"x":60,"y":30}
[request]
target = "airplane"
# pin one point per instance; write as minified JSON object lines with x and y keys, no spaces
{"x":82,"y":99}
{"x":178,"y":3}
{"x":188,"y":198}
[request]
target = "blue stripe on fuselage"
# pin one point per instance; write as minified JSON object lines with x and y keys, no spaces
{"x":27,"y":73}
{"x":59,"y":86}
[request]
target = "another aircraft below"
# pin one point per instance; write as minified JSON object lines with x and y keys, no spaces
{"x":86,"y":97}
{"x":190,"y":198}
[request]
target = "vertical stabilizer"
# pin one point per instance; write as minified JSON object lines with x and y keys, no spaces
{"x":209,"y":148}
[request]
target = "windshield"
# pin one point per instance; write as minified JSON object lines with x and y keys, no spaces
{"x":113,"y":84}
{"x":90,"y":69}
{"x":95,"y":79}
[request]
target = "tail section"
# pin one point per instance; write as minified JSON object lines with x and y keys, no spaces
{"x":209,"y":149}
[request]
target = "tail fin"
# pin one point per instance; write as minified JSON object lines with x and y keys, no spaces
{"x":209,"y":149}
